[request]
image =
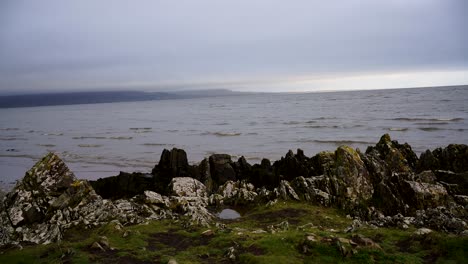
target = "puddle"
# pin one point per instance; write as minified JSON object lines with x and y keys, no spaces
{"x":229,"y":214}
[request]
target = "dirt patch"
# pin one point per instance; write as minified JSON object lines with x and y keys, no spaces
{"x":289,"y":214}
{"x":254,"y":250}
{"x":176,"y":241}
{"x":112,"y":257}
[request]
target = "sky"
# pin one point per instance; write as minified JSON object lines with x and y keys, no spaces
{"x":243,"y":45}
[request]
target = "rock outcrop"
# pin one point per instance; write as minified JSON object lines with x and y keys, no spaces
{"x":385,"y":186}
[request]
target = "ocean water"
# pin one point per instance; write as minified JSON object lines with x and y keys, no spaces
{"x":100,"y":140}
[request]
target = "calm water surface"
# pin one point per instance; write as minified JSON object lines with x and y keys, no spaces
{"x":102,"y":139}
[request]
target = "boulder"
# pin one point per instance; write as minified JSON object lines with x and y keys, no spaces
{"x":286,"y":192}
{"x":187,"y":187}
{"x":421,"y":195}
{"x":173,"y":163}
{"x":307,"y":190}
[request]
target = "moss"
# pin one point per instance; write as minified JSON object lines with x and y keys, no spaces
{"x":159,"y":241}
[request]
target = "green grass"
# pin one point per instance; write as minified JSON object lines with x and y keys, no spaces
{"x":159,"y":241}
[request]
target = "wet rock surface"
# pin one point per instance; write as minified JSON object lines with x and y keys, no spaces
{"x":388,"y":185}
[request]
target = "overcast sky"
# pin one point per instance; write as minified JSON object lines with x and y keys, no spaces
{"x":249,"y":45}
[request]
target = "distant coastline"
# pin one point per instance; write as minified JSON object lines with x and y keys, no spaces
{"x":74,"y":98}
{"x":98,"y":97}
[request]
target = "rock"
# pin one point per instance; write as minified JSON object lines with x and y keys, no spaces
{"x":292,"y":166}
{"x":237,"y":193}
{"x":230,"y":253}
{"x":262,"y":175}
{"x":207,"y":233}
{"x":286,"y":192}
{"x":452,"y":158}
{"x":459,"y":181}
{"x":422,"y":231}
{"x":308,"y":189}
{"x":187,"y":187}
{"x":150,"y":197}
{"x":420,"y":195}
{"x":221,"y":169}
{"x":172,"y":164}
{"x":172,"y":261}
{"x":124,"y":185}
{"x":97,"y":246}
{"x":365,"y":242}
{"x":205,"y":175}
{"x":441,"y":218}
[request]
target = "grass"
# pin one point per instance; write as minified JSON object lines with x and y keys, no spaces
{"x":160,"y":241}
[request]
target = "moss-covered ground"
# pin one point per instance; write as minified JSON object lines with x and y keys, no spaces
{"x":253,"y":239}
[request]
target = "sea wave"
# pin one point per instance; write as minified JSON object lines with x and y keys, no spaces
{"x":52,"y":134}
{"x":11,"y":138}
{"x":9,"y":129}
{"x":221,"y":134}
{"x":89,"y":145}
{"x":427,"y":119}
{"x":121,"y":138}
{"x":46,"y":145}
{"x":141,"y":128}
{"x":89,"y":137}
{"x":157,"y":144}
{"x":398,"y":129}
{"x":336,"y":142}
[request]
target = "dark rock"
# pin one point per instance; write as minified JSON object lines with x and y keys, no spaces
{"x":292,"y":166}
{"x":242,"y":168}
{"x":221,"y":169}
{"x":172,"y":164}
{"x":453,"y":158}
{"x":124,"y":185}
{"x":460,"y":180}
{"x":262,"y":175}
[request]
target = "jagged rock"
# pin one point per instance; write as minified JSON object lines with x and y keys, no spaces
{"x":172,"y":164}
{"x":458,"y":181}
{"x":124,"y":185}
{"x":242,"y":168}
{"x":292,"y":166}
{"x":187,"y":187}
{"x":452,"y":158}
{"x":262,"y":175}
{"x":150,"y":197}
{"x":306,"y":189}
{"x":205,"y":175}
{"x":420,"y":195}
{"x":286,"y":192}
{"x":425,"y":176}
{"x":221,"y":169}
{"x":237,"y":193}
{"x":441,"y":218}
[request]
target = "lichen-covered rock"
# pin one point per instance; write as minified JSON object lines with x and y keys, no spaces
{"x":187,"y":187}
{"x":286,"y":192}
{"x":420,"y":195}
{"x":237,"y":193}
{"x":350,"y":170}
{"x":306,"y":189}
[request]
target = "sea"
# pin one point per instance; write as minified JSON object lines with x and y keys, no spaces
{"x":100,"y":140}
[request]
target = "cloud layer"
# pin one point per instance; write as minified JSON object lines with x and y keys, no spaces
{"x":163,"y":45}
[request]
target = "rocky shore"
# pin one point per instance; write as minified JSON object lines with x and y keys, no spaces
{"x":387,"y":186}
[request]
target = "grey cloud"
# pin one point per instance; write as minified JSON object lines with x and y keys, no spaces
{"x":69,"y":44}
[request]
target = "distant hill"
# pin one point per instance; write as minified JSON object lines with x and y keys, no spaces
{"x":47,"y":99}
